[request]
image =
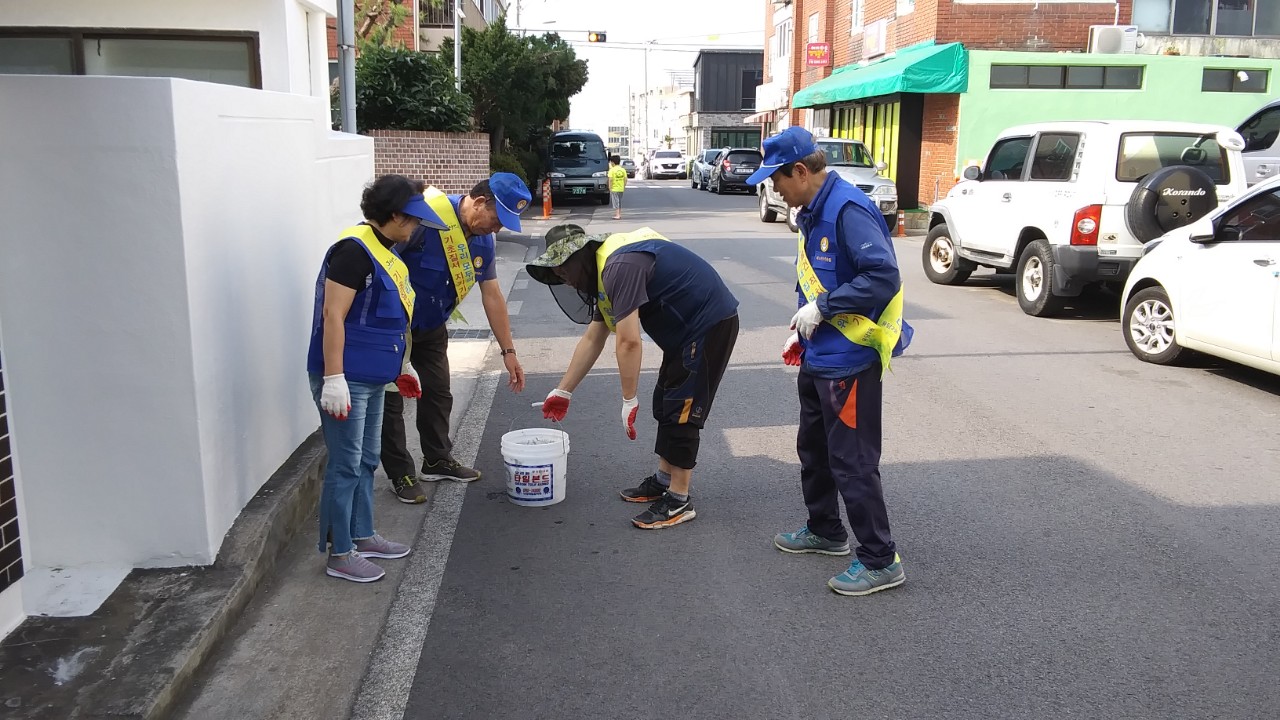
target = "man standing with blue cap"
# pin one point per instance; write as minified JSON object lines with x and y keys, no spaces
{"x":848,"y":327}
{"x":444,"y":265}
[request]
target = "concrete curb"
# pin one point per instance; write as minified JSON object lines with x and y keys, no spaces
{"x":149,"y":639}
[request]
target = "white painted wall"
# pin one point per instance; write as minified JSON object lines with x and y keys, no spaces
{"x":281,"y":26}
{"x":155,"y":328}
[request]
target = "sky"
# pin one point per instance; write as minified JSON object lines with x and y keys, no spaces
{"x":616,"y":66}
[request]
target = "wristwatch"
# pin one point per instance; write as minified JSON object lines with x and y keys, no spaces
{"x":509,"y":351}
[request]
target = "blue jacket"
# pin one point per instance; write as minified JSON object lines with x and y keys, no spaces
{"x":375,"y":327}
{"x":858,"y":268}
{"x":430,"y":277}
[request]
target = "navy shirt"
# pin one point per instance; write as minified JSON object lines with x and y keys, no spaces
{"x":429,"y":272}
{"x":864,"y":244}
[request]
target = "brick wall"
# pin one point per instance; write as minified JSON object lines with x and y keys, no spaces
{"x":938,"y":146}
{"x":1046,"y":28}
{"x":453,"y":162}
{"x":10,"y":549}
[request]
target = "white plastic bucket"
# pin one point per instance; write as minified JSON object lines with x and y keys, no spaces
{"x":535,"y":460}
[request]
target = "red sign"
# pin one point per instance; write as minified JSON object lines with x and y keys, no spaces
{"x":817,"y":54}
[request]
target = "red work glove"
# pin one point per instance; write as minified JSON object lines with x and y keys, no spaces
{"x":629,"y":410}
{"x":791,"y":351}
{"x":556,"y":406}
{"x":408,"y":383}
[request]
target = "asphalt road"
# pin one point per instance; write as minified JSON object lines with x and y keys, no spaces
{"x":1084,"y":535}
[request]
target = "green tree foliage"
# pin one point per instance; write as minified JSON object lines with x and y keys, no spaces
{"x":376,"y":22}
{"x":407,"y":90}
{"x":519,"y":85}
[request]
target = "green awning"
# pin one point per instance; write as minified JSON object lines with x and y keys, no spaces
{"x":923,"y":68}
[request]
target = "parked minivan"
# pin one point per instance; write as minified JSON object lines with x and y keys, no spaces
{"x":578,"y":166}
{"x":1261,"y":133}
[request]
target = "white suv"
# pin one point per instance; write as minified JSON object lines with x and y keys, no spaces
{"x":1070,"y":204}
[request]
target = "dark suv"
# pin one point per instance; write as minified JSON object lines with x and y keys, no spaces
{"x":731,"y":169}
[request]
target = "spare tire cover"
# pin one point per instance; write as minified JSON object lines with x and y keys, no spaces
{"x":1169,"y":198}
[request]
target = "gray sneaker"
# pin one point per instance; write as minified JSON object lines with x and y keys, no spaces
{"x":408,"y":490}
{"x":448,"y":469}
{"x":380,"y":547}
{"x":860,"y":580}
{"x":352,"y":566}
{"x":803,"y":541}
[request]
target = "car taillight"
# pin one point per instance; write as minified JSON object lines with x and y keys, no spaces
{"x":1084,"y":226}
{"x":726,"y":163}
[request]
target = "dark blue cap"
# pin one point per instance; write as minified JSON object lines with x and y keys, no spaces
{"x":512,"y":198}
{"x":794,"y":143}
{"x":418,"y":207}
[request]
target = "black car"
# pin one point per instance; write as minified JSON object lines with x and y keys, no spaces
{"x":731,"y":169}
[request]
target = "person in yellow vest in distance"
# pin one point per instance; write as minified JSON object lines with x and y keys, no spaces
{"x":444,"y":266}
{"x":623,"y":282}
{"x":359,"y":330}
{"x":848,"y":327}
{"x":617,"y":185}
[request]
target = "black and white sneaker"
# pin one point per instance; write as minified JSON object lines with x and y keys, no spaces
{"x":666,"y":512}
{"x":647,"y":491}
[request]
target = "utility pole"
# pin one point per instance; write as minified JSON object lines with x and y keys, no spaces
{"x":457,"y":44}
{"x":347,"y":64}
{"x":646,"y":99}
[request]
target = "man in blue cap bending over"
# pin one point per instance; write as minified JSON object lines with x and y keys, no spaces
{"x":848,"y":326}
{"x":444,"y":265}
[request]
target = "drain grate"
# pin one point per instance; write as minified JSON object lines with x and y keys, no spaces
{"x":469,"y":334}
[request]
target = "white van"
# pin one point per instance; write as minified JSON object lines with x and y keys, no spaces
{"x":1261,"y":133}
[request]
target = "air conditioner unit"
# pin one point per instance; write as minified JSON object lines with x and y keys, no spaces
{"x":1113,"y":39}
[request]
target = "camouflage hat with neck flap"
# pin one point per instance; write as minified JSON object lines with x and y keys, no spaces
{"x":562,"y":242}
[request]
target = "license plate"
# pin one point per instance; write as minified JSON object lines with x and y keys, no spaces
{"x":579,"y":191}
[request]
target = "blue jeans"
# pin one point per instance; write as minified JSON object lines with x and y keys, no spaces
{"x":346,"y":503}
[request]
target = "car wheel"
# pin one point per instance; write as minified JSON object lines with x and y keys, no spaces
{"x":891,"y":223}
{"x":767,"y":214}
{"x":719,"y":189}
{"x":702,"y":184}
{"x":941,"y":263}
{"x":1034,"y":284}
{"x":792,"y":225}
{"x":1148,"y":327}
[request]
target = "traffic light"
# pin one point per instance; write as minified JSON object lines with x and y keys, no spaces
{"x":594,"y":36}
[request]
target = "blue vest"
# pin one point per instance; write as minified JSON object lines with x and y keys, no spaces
{"x":828,"y":349}
{"x":375,"y":327}
{"x":430,"y":277}
{"x":686,"y":295}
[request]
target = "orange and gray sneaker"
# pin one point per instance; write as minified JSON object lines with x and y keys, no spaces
{"x":647,"y":491}
{"x":666,"y":512}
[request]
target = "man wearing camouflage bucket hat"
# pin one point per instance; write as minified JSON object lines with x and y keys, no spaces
{"x":623,"y":282}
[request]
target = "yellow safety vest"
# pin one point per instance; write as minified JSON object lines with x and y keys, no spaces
{"x":395,"y":267}
{"x":610,"y":246}
{"x":456,"y":251}
{"x":880,"y":336}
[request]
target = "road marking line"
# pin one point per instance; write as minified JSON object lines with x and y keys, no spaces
{"x":384,"y":691}
{"x":521,"y":284}
{"x":513,"y":307}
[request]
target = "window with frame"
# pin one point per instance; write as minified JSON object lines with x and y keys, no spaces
{"x":1143,"y":153}
{"x":750,"y":79}
{"x":1007,"y":160}
{"x":905,"y":6}
{"x":435,"y":13}
{"x":1261,"y":131}
{"x":224,"y":58}
{"x":1230,"y":18}
{"x":1066,"y":77}
{"x":1055,"y":156}
{"x":815,"y":32}
{"x":856,"y":17}
{"x":1257,"y":219}
{"x":1242,"y":80}
{"x":783,"y":37}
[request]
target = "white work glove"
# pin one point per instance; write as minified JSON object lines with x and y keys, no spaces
{"x":791,"y":351}
{"x":408,"y":383}
{"x":806,"y":320}
{"x":629,"y":410}
{"x":335,"y":397}
{"x":556,"y":406}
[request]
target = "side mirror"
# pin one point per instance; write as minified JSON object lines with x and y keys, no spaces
{"x":973,"y":172}
{"x":1201,"y":232}
{"x":1230,"y":233}
{"x":882,"y":166}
